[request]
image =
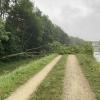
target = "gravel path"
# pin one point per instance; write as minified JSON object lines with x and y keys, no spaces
{"x":76,"y":86}
{"x":25,"y":91}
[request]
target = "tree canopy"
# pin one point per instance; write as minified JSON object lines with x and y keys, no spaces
{"x":23,"y":27}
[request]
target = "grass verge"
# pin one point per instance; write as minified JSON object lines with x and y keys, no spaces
{"x":52,"y":87}
{"x":7,"y":67}
{"x":92,"y":71}
{"x":10,"y":64}
{"x":11,"y":81}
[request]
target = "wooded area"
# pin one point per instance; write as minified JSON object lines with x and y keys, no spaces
{"x":23,"y":27}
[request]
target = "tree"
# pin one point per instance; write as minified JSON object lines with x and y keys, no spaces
{"x":4,"y":37}
{"x":23,"y":23}
{"x":4,"y":8}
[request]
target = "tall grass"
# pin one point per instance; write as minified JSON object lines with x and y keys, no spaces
{"x":52,"y":86}
{"x":7,"y":67}
{"x":92,"y":71}
{"x":11,"y":81}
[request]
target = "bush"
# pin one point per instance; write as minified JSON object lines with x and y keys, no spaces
{"x":85,"y":48}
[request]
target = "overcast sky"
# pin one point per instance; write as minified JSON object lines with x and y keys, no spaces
{"x":80,"y":18}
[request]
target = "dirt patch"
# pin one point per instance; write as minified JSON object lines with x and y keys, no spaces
{"x":76,"y":86}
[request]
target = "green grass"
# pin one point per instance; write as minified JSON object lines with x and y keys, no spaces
{"x":52,"y":87}
{"x":11,"y":81}
{"x":92,"y":71}
{"x":7,"y":67}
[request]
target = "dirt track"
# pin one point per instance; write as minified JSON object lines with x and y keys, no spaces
{"x":76,"y":86}
{"x":25,"y":91}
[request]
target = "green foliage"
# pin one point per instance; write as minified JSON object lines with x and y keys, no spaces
{"x":52,"y":32}
{"x":24,"y":25}
{"x":92,"y":71}
{"x":4,"y":37}
{"x":85,"y":48}
{"x":26,"y":28}
{"x":57,"y":47}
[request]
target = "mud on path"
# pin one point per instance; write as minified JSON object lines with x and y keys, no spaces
{"x":25,"y":91}
{"x":76,"y":86}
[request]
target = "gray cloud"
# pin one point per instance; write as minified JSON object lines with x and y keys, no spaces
{"x":77,"y":17}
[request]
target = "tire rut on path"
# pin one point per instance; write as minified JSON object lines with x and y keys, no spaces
{"x":25,"y":91}
{"x":76,"y":86}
